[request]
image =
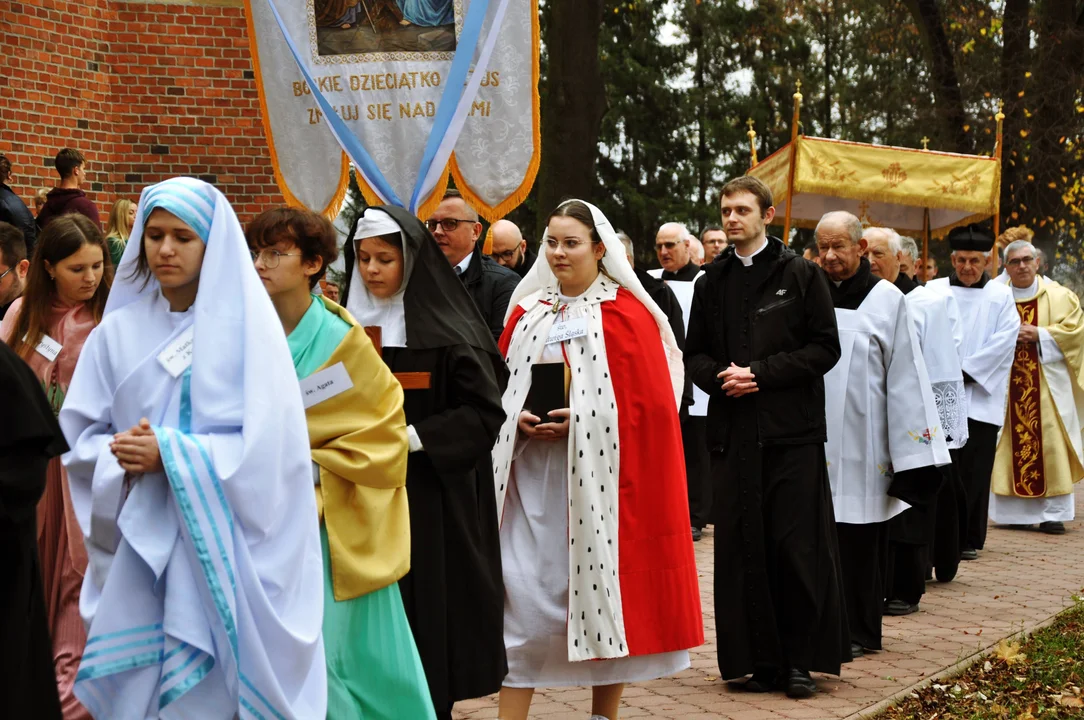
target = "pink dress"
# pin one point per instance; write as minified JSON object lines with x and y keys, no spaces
{"x":60,"y":541}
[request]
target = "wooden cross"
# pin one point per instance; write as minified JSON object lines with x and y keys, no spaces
{"x":409,"y":380}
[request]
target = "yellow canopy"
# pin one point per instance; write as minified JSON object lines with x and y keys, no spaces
{"x":883,"y":186}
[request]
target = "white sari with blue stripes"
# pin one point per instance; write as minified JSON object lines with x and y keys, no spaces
{"x":204,"y":594}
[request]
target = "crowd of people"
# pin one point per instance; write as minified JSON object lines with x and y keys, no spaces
{"x":231,"y":489}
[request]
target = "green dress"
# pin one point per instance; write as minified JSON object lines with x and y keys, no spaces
{"x":373,"y":667}
{"x":116,"y":249}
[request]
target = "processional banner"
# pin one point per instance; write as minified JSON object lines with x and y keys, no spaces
{"x":406,"y":91}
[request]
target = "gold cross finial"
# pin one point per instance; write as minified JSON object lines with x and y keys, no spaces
{"x":925,"y":143}
{"x":798,"y":90}
{"x":750,"y":123}
{"x":1000,"y":110}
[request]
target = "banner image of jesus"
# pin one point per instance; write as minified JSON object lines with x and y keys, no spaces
{"x":427,"y":13}
{"x":352,"y":27}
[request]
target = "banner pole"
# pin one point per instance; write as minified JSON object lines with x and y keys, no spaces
{"x":752,"y":143}
{"x":925,"y":242}
{"x":793,"y":159}
{"x":1000,"y":117}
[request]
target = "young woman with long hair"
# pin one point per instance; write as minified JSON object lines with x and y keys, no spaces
{"x":66,"y":290}
{"x":121,"y":218}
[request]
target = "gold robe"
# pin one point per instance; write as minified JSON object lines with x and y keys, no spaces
{"x":1039,"y":450}
{"x":359,"y":440}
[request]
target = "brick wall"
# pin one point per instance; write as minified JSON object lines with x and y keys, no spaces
{"x":144,"y":90}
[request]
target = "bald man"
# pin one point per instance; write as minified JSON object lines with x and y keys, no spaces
{"x":509,"y":247}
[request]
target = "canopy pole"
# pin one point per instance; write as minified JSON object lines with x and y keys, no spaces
{"x":752,"y":143}
{"x":925,"y":242}
{"x":1000,"y":117}
{"x":793,"y":159}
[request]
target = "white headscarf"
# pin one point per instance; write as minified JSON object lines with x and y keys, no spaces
{"x":540,"y":280}
{"x":386,"y":313}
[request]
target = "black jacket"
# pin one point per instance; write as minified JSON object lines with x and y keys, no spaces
{"x":525,"y":263}
{"x":491,"y":286}
{"x":794,"y":342}
{"x":14,"y":212}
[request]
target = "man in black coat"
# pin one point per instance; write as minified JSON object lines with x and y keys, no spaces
{"x":762,"y":334}
{"x":510,"y":248}
{"x":13,"y":211}
{"x":456,"y":228}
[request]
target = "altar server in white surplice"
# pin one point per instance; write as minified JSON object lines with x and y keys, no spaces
{"x":883,"y":430}
{"x":936,"y":321}
{"x":990,"y":325}
{"x":192,"y":483}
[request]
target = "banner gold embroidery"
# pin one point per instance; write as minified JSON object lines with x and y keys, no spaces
{"x":1025,"y":421}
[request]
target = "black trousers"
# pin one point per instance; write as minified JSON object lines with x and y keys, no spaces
{"x":863,"y":555}
{"x":694,"y":437}
{"x":975,"y":468}
{"x":907,"y":572}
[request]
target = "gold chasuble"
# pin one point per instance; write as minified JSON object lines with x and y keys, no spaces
{"x":359,"y":440}
{"x":1039,"y":451}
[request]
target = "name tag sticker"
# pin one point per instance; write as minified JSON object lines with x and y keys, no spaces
{"x":325,"y":385}
{"x":567,"y":330}
{"x":48,"y":348}
{"x":177,"y":357}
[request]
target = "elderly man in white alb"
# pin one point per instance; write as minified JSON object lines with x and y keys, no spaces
{"x":990,"y":326}
{"x":936,"y":320}
{"x":1039,"y":454}
{"x":680,"y":271}
{"x":884,"y":436}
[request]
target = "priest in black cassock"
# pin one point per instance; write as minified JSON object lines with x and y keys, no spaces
{"x":454,"y":592}
{"x":762,"y":334}
{"x":29,"y":438}
{"x":884,"y":434}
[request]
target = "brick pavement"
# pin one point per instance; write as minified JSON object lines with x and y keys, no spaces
{"x":1019,"y":580}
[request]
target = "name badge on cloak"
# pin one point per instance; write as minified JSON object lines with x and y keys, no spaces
{"x":324,"y":385}
{"x":567,"y":330}
{"x":48,"y":348}
{"x":177,"y":357}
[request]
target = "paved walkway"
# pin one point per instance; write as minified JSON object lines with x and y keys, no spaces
{"x":1019,"y":580}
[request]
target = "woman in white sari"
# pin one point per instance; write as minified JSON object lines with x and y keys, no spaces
{"x":190,"y":476}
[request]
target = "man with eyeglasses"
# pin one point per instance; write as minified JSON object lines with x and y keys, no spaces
{"x":510,"y":248}
{"x":1040,"y":454}
{"x":456,"y":229}
{"x":13,"y":265}
{"x":990,"y":327}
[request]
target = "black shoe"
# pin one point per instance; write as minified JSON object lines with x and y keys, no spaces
{"x":1018,"y":527}
{"x":856,"y":650}
{"x":697,"y":533}
{"x":800,"y":684}
{"x":969,"y":554}
{"x":763,"y":681}
{"x":1052,"y":527}
{"x":946,"y":573}
{"x":899,"y":607}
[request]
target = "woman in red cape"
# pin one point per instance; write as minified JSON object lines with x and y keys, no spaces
{"x":600,"y":579}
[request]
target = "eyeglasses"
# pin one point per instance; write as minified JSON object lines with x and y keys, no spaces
{"x":446,"y":224}
{"x":5,"y":273}
{"x":1020,"y":261}
{"x":505,"y":254}
{"x":569,"y":245}
{"x":270,"y":257}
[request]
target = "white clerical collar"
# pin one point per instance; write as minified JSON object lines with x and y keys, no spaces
{"x":1028,"y":292}
{"x":747,"y":261}
{"x":464,"y":265}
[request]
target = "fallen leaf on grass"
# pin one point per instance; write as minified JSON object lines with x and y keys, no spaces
{"x":1009,"y":652}
{"x":987,"y":666}
{"x":1069,"y":701}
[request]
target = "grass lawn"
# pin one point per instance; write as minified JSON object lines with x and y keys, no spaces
{"x":1039,"y":678}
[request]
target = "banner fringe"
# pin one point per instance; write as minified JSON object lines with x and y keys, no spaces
{"x":513,"y":200}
